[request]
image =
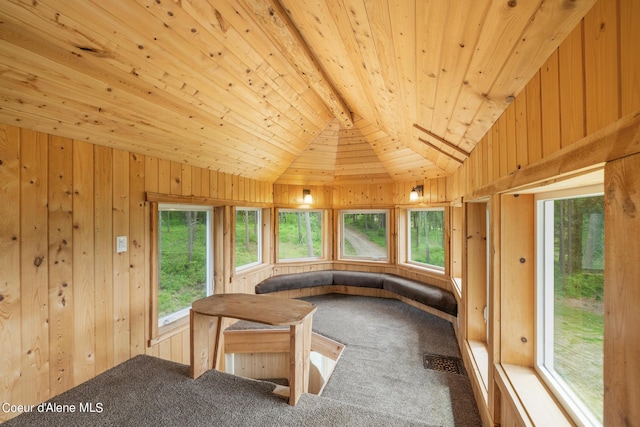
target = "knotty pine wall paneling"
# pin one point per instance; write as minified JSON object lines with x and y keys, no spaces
{"x":138,"y":262}
{"x":83,"y":265}
{"x":601,"y":59}
{"x":34,"y":274}
{"x":629,"y":57}
{"x":103,"y":249}
{"x":70,"y":306}
{"x":591,"y":81}
{"x":121,"y":272}
{"x":61,"y":295}
{"x":621,"y":292}
{"x":10,"y":248}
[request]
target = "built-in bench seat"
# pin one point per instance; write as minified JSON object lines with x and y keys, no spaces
{"x":424,"y":293}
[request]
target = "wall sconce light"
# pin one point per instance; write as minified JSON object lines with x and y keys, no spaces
{"x":307,"y":198}
{"x":416,"y":192}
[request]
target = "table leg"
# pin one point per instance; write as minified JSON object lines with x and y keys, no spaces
{"x":205,"y":338}
{"x":300,"y":347}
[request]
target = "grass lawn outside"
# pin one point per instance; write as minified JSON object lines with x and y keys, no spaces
{"x":579,"y":351}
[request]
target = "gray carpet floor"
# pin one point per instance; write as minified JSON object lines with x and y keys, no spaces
{"x":382,"y":365}
{"x":379,"y":381}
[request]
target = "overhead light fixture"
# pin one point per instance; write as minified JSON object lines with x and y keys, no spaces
{"x":416,"y":193}
{"x":307,"y":198}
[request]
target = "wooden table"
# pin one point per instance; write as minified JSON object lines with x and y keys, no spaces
{"x":206,"y":320}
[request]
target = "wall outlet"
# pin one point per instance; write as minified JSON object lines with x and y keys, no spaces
{"x":121,"y":244}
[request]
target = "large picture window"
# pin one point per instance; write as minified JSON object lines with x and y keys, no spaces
{"x":299,"y":234}
{"x":185,"y":259}
{"x":426,"y":237}
{"x":248,"y":237}
{"x":365,"y":235}
{"x":570,"y":302}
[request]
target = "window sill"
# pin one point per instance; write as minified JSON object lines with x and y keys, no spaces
{"x":252,"y":268}
{"x":532,"y":401}
{"x":168,"y":331}
{"x":421,"y":268}
{"x":301,"y":260}
{"x":479,"y":360}
{"x":365,"y":260}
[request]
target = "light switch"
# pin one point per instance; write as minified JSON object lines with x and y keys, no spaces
{"x":121,"y":244}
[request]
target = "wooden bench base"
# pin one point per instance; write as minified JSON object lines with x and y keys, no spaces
{"x":206,"y":324}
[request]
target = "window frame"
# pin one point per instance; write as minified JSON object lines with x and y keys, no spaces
{"x":260,"y":242}
{"x":544,"y":301}
{"x":340,"y":243}
{"x":323,"y":237}
{"x":436,"y":268}
{"x":178,"y":321}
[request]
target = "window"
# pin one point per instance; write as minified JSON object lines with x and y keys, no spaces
{"x":570,"y":286}
{"x":299,"y":234}
{"x":426,"y":237}
{"x":457,"y":244}
{"x":185,"y":259}
{"x":365,"y":235}
{"x":248,"y":238}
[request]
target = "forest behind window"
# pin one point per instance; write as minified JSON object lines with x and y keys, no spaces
{"x":426,"y":237}
{"x":248,"y":237}
{"x":184,"y":260}
{"x":299,"y":234}
{"x":572,"y":300}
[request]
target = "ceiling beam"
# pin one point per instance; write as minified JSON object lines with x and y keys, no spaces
{"x":275,"y":21}
{"x":440,"y":151}
{"x":440,"y":140}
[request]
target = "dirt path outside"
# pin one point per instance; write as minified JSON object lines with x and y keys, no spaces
{"x":362,"y":245}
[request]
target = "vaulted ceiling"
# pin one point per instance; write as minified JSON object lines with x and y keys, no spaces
{"x":289,"y":91}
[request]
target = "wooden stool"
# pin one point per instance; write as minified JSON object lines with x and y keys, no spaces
{"x":206,"y":319}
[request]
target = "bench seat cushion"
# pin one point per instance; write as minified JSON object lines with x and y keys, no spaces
{"x":424,"y":293}
{"x":286,"y":282}
{"x":421,"y":292}
{"x":358,"y":278}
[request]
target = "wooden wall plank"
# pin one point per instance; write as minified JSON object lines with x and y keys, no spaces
{"x":550,"y":98}
{"x":84,"y":286}
{"x":196,"y":181}
{"x":501,"y":130}
{"x":10,"y":280}
{"x":206,"y":183}
{"x":186,"y":180}
{"x":494,"y":303}
{"x":151,"y":166}
{"x":517,"y":279}
{"x":121,"y":275}
{"x":534,"y":119}
{"x":602,"y":98}
{"x":176,"y":179}
{"x":60,"y":256}
{"x":164,"y":176}
{"x":522,"y":137}
{"x":137,"y":259}
{"x":33,"y":268}
{"x":571,"y":82}
{"x":486,"y":156}
{"x":491,"y":168}
{"x":474,"y":288}
{"x":213,"y":184}
{"x":103,"y":271}
{"x":629,"y":58}
{"x":512,"y":143}
{"x":621,"y":292}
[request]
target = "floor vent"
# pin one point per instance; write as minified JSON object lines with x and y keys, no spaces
{"x":451,"y":365}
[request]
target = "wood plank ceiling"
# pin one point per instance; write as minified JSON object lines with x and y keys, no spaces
{"x":288,"y":91}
